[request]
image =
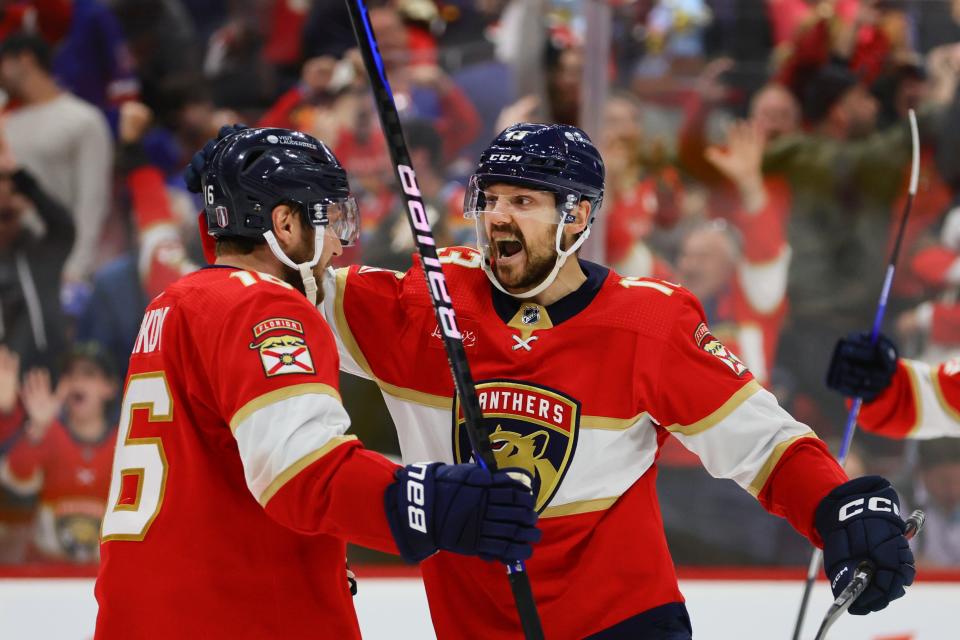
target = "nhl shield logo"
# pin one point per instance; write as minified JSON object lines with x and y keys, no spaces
{"x":531,"y":315}
{"x":531,"y":427}
{"x":223,"y":220}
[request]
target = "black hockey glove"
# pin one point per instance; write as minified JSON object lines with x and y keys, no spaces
{"x":461,"y":508}
{"x":860,"y":368}
{"x":193,"y":172}
{"x":860,"y":520}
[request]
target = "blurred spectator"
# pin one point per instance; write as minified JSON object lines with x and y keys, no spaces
{"x":564,"y":68}
{"x":122,"y":287}
{"x":93,"y":61}
{"x":31,"y":266}
{"x":67,"y":462}
{"x":16,"y":508}
{"x":641,"y":191}
{"x":738,"y":267}
{"x":391,"y":245}
{"x":72,"y":159}
{"x":844,"y":178}
{"x":938,"y":494}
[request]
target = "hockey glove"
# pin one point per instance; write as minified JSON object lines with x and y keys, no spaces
{"x":860,"y":368}
{"x":193,"y":172}
{"x":462,"y":508}
{"x":860,"y":520}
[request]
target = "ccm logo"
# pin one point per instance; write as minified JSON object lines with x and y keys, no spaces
{"x":504,"y":157}
{"x":855,"y":507}
{"x":416,"y":517}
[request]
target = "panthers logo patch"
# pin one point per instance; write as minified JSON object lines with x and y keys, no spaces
{"x":531,"y":427}
{"x":714,"y":347}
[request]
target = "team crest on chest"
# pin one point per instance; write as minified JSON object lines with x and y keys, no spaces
{"x":531,"y":427}
{"x":714,"y":347}
{"x":282,"y":347}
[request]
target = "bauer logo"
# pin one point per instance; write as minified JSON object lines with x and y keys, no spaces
{"x":531,"y":427}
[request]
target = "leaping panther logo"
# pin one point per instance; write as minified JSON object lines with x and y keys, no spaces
{"x":524,"y":452}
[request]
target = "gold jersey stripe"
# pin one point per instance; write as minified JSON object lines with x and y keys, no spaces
{"x":290,"y":472}
{"x":610,"y":424}
{"x":738,"y":398}
{"x":917,"y":396}
{"x":343,"y":327}
{"x":580,"y":506}
{"x":761,"y":479}
{"x":280,"y":394}
{"x":938,"y":390}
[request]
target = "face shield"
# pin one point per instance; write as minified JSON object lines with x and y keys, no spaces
{"x":339,"y":215}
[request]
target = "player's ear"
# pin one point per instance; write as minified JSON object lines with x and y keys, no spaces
{"x":582,"y":215}
{"x":540,"y":440}
{"x":284,"y":222}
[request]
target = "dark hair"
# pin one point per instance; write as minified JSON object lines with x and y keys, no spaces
{"x":933,"y":453}
{"x":93,"y":352}
{"x":824,"y":89}
{"x":421,"y":134}
{"x":23,"y":42}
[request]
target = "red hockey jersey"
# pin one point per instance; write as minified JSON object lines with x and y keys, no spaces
{"x":582,"y":394}
{"x":234,"y":486}
{"x":922,"y":402}
{"x":74,"y":477}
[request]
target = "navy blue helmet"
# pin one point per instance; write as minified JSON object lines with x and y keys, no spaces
{"x":554,"y":157}
{"x":252,"y":171}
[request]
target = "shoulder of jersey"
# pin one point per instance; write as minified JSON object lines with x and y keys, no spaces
{"x":648,"y":305}
{"x":218,"y":291}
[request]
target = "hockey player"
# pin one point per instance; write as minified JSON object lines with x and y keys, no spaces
{"x":902,"y":398}
{"x":582,"y":374}
{"x":234,"y":486}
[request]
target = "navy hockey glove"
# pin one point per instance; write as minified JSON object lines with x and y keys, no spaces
{"x":862,"y":369}
{"x":860,"y":520}
{"x":193,"y":172}
{"x":461,"y":508}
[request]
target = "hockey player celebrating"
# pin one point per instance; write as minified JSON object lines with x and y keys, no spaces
{"x":902,"y":398}
{"x":582,"y":374}
{"x":234,"y":486}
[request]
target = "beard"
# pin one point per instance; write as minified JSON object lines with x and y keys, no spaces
{"x":538,"y":263}
{"x":300,"y":254}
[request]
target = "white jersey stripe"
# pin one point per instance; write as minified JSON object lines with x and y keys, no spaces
{"x":278,"y":440}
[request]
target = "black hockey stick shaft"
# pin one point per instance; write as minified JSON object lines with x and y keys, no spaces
{"x":850,"y":427}
{"x":862,"y":576}
{"x":437,"y":286}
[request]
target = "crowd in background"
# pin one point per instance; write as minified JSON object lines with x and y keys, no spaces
{"x":756,"y":152}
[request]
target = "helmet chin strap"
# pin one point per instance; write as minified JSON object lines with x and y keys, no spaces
{"x":305,"y":268}
{"x":537,"y":290}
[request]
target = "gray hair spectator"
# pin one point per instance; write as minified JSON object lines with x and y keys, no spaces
{"x":63,"y":141}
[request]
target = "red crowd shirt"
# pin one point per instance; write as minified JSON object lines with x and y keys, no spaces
{"x":74,"y":477}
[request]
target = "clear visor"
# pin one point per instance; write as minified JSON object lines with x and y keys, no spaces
{"x":529,"y":199}
{"x":339,"y":215}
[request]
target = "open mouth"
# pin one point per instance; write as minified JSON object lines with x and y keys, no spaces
{"x":508,"y":248}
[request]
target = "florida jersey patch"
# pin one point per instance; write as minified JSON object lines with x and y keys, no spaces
{"x":281,"y":351}
{"x":714,"y":347}
{"x":531,"y":427}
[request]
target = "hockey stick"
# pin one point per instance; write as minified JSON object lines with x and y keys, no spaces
{"x":862,"y":576}
{"x":817,"y":556}
{"x":437,"y":285}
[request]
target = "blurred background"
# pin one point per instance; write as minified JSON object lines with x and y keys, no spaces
{"x":756,"y":152}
